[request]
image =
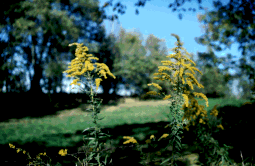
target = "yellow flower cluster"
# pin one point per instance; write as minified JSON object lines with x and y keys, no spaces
{"x":130,"y":139}
{"x":18,"y":150}
{"x":194,"y":110}
{"x":214,"y":112}
{"x":155,"y":85}
{"x":82,"y":64}
{"x":62,"y":152}
{"x":180,"y":69}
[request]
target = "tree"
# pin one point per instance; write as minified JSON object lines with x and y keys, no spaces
{"x":135,"y":66}
{"x":235,"y":19}
{"x":128,"y":64}
{"x":121,"y":8}
{"x":54,"y":75}
{"x":8,"y":78}
{"x":158,"y":52}
{"x":232,"y":21}
{"x":46,"y":25}
{"x":215,"y":80}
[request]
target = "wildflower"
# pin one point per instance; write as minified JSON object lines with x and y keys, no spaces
{"x":186,"y":99}
{"x":167,"y":97}
{"x":152,"y":136}
{"x":11,"y":146}
{"x":152,"y":93}
{"x":203,"y":96}
{"x":18,"y":150}
{"x":130,"y":139}
{"x":44,"y":154}
{"x":220,"y":126}
{"x":62,"y":152}
{"x":164,"y":136}
{"x":98,"y":80}
{"x":214,"y":112}
{"x":155,"y":85}
{"x":75,"y":82}
{"x":82,"y":57}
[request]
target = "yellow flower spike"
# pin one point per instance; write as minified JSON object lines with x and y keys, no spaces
{"x":130,"y":139}
{"x":164,"y":136}
{"x":220,"y":126}
{"x":155,"y":85}
{"x":152,"y":136}
{"x":98,"y":80}
{"x":11,"y":146}
{"x":186,"y":98}
{"x":62,"y":152}
{"x":152,"y":93}
{"x":203,"y":96}
{"x":166,"y":97}
{"x":43,"y":154}
{"x":18,"y":150}
{"x":82,"y":63}
{"x":24,"y":151}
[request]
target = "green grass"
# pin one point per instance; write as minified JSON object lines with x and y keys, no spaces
{"x":56,"y":132}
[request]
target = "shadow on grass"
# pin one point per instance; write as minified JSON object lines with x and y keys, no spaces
{"x":119,"y":152}
{"x":37,"y":110}
{"x":238,"y":133}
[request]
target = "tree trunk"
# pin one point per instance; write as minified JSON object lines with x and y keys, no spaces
{"x":35,"y":80}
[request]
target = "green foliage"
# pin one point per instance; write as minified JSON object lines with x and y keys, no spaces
{"x":54,"y":131}
{"x":214,"y":84}
{"x":26,"y":19}
{"x":81,"y":65}
{"x":134,"y":65}
{"x":222,"y":25}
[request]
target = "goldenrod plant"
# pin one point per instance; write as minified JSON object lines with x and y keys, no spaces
{"x":182,"y":113}
{"x":82,"y":65}
{"x":180,"y":78}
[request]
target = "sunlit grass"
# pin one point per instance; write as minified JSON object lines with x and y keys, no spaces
{"x":46,"y":126}
{"x":48,"y":129}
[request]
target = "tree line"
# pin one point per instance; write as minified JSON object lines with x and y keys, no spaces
{"x":40,"y":31}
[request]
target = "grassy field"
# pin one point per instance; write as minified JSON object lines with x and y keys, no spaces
{"x":53,"y":133}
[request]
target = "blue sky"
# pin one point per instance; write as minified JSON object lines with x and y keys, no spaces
{"x":157,"y":19}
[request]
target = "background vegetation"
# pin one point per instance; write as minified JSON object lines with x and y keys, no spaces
{"x":51,"y":25}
